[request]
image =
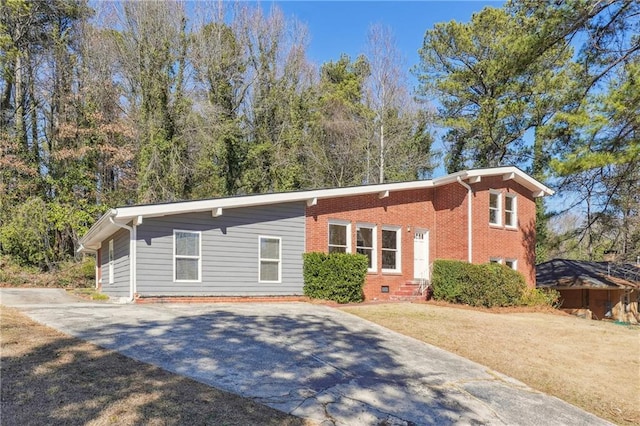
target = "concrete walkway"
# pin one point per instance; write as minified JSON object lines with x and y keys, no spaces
{"x":308,"y":360}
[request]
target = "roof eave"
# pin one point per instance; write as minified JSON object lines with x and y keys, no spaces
{"x":89,"y":243}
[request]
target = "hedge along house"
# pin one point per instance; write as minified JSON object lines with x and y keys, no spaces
{"x":251,"y":246}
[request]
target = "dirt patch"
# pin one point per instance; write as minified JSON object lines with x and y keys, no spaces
{"x":51,"y":378}
{"x":591,"y":364}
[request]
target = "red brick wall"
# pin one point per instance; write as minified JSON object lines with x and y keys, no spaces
{"x":412,"y":209}
{"x":443,"y":212}
{"x":501,"y":241}
{"x":450,"y":235}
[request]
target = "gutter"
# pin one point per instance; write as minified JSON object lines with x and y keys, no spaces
{"x":132,"y":256}
{"x":469,"y":220}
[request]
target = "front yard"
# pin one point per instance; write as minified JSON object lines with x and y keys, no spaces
{"x":592,"y":364}
{"x":51,"y":378}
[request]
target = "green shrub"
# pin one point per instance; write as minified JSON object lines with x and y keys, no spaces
{"x":68,"y":274}
{"x":336,"y":276}
{"x":74,"y":274}
{"x":99,"y":296}
{"x":447,"y":278}
{"x":540,"y":297}
{"x":24,"y":236}
{"x":477,"y":285}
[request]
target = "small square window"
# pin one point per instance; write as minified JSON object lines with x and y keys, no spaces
{"x":384,"y":289}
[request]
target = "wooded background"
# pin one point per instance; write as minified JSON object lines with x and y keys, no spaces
{"x":140,"y":102}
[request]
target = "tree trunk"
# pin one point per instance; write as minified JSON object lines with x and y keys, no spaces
{"x":21,"y":133}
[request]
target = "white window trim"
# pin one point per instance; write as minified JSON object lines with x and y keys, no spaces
{"x":199,"y":257}
{"x":374,"y":252}
{"x":514,"y":211}
{"x":515,"y":263}
{"x":497,"y":260}
{"x":498,"y":208}
{"x":342,"y":223}
{"x":397,"y":230}
{"x":111,"y":261}
{"x":260,"y":259}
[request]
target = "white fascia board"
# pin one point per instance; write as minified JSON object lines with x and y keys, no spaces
{"x":518,"y":175}
{"x":155,"y":210}
{"x":103,"y":228}
{"x":92,"y":239}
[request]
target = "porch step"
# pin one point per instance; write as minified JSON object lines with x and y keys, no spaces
{"x":408,"y":291}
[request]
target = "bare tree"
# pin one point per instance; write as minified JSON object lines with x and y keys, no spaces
{"x":400,"y":126}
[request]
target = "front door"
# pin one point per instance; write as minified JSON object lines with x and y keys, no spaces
{"x":421,"y":254}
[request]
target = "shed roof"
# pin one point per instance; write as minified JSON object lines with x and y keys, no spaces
{"x":107,"y":224}
{"x":578,"y":274}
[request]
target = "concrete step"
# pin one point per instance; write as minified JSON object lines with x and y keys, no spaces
{"x":413,"y":298}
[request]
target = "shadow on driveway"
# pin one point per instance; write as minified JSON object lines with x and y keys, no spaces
{"x":305,"y":364}
{"x":313,"y":362}
{"x":53,"y":379}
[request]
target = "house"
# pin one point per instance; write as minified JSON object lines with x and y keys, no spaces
{"x":595,"y":290}
{"x":252,"y":245}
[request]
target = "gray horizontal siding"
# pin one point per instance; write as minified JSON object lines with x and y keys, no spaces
{"x":229,"y":251}
{"x":120,"y":286}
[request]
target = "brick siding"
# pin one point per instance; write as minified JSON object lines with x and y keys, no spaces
{"x":443,"y":212}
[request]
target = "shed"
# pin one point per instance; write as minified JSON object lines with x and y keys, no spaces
{"x":600,"y":290}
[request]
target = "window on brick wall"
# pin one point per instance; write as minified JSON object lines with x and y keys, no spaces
{"x":510,"y":211}
{"x":494,"y":208}
{"x":511,"y":263}
{"x":366,"y":244}
{"x":391,"y":249}
{"x":339,"y":237}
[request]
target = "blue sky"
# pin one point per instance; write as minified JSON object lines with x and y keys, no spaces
{"x":337,"y":27}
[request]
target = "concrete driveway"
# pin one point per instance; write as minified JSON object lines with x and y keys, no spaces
{"x":308,"y":360}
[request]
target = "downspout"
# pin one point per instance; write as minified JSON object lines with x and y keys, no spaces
{"x":83,"y":249}
{"x":132,"y":256}
{"x":469,"y":220}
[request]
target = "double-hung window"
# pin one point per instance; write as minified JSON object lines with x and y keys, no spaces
{"x":186,"y":255}
{"x":510,"y":216}
{"x":366,"y":244}
{"x":391,"y":249}
{"x":496,"y":213}
{"x":495,"y":208}
{"x":270,"y":258}
{"x":339,"y":237}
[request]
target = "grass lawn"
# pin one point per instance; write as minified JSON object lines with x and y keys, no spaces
{"x":50,"y":378}
{"x":594,"y":365}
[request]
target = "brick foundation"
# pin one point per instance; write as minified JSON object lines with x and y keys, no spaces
{"x":219,"y":299}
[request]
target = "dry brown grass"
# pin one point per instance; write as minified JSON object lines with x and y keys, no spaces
{"x":50,"y":378}
{"x":592,"y":364}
